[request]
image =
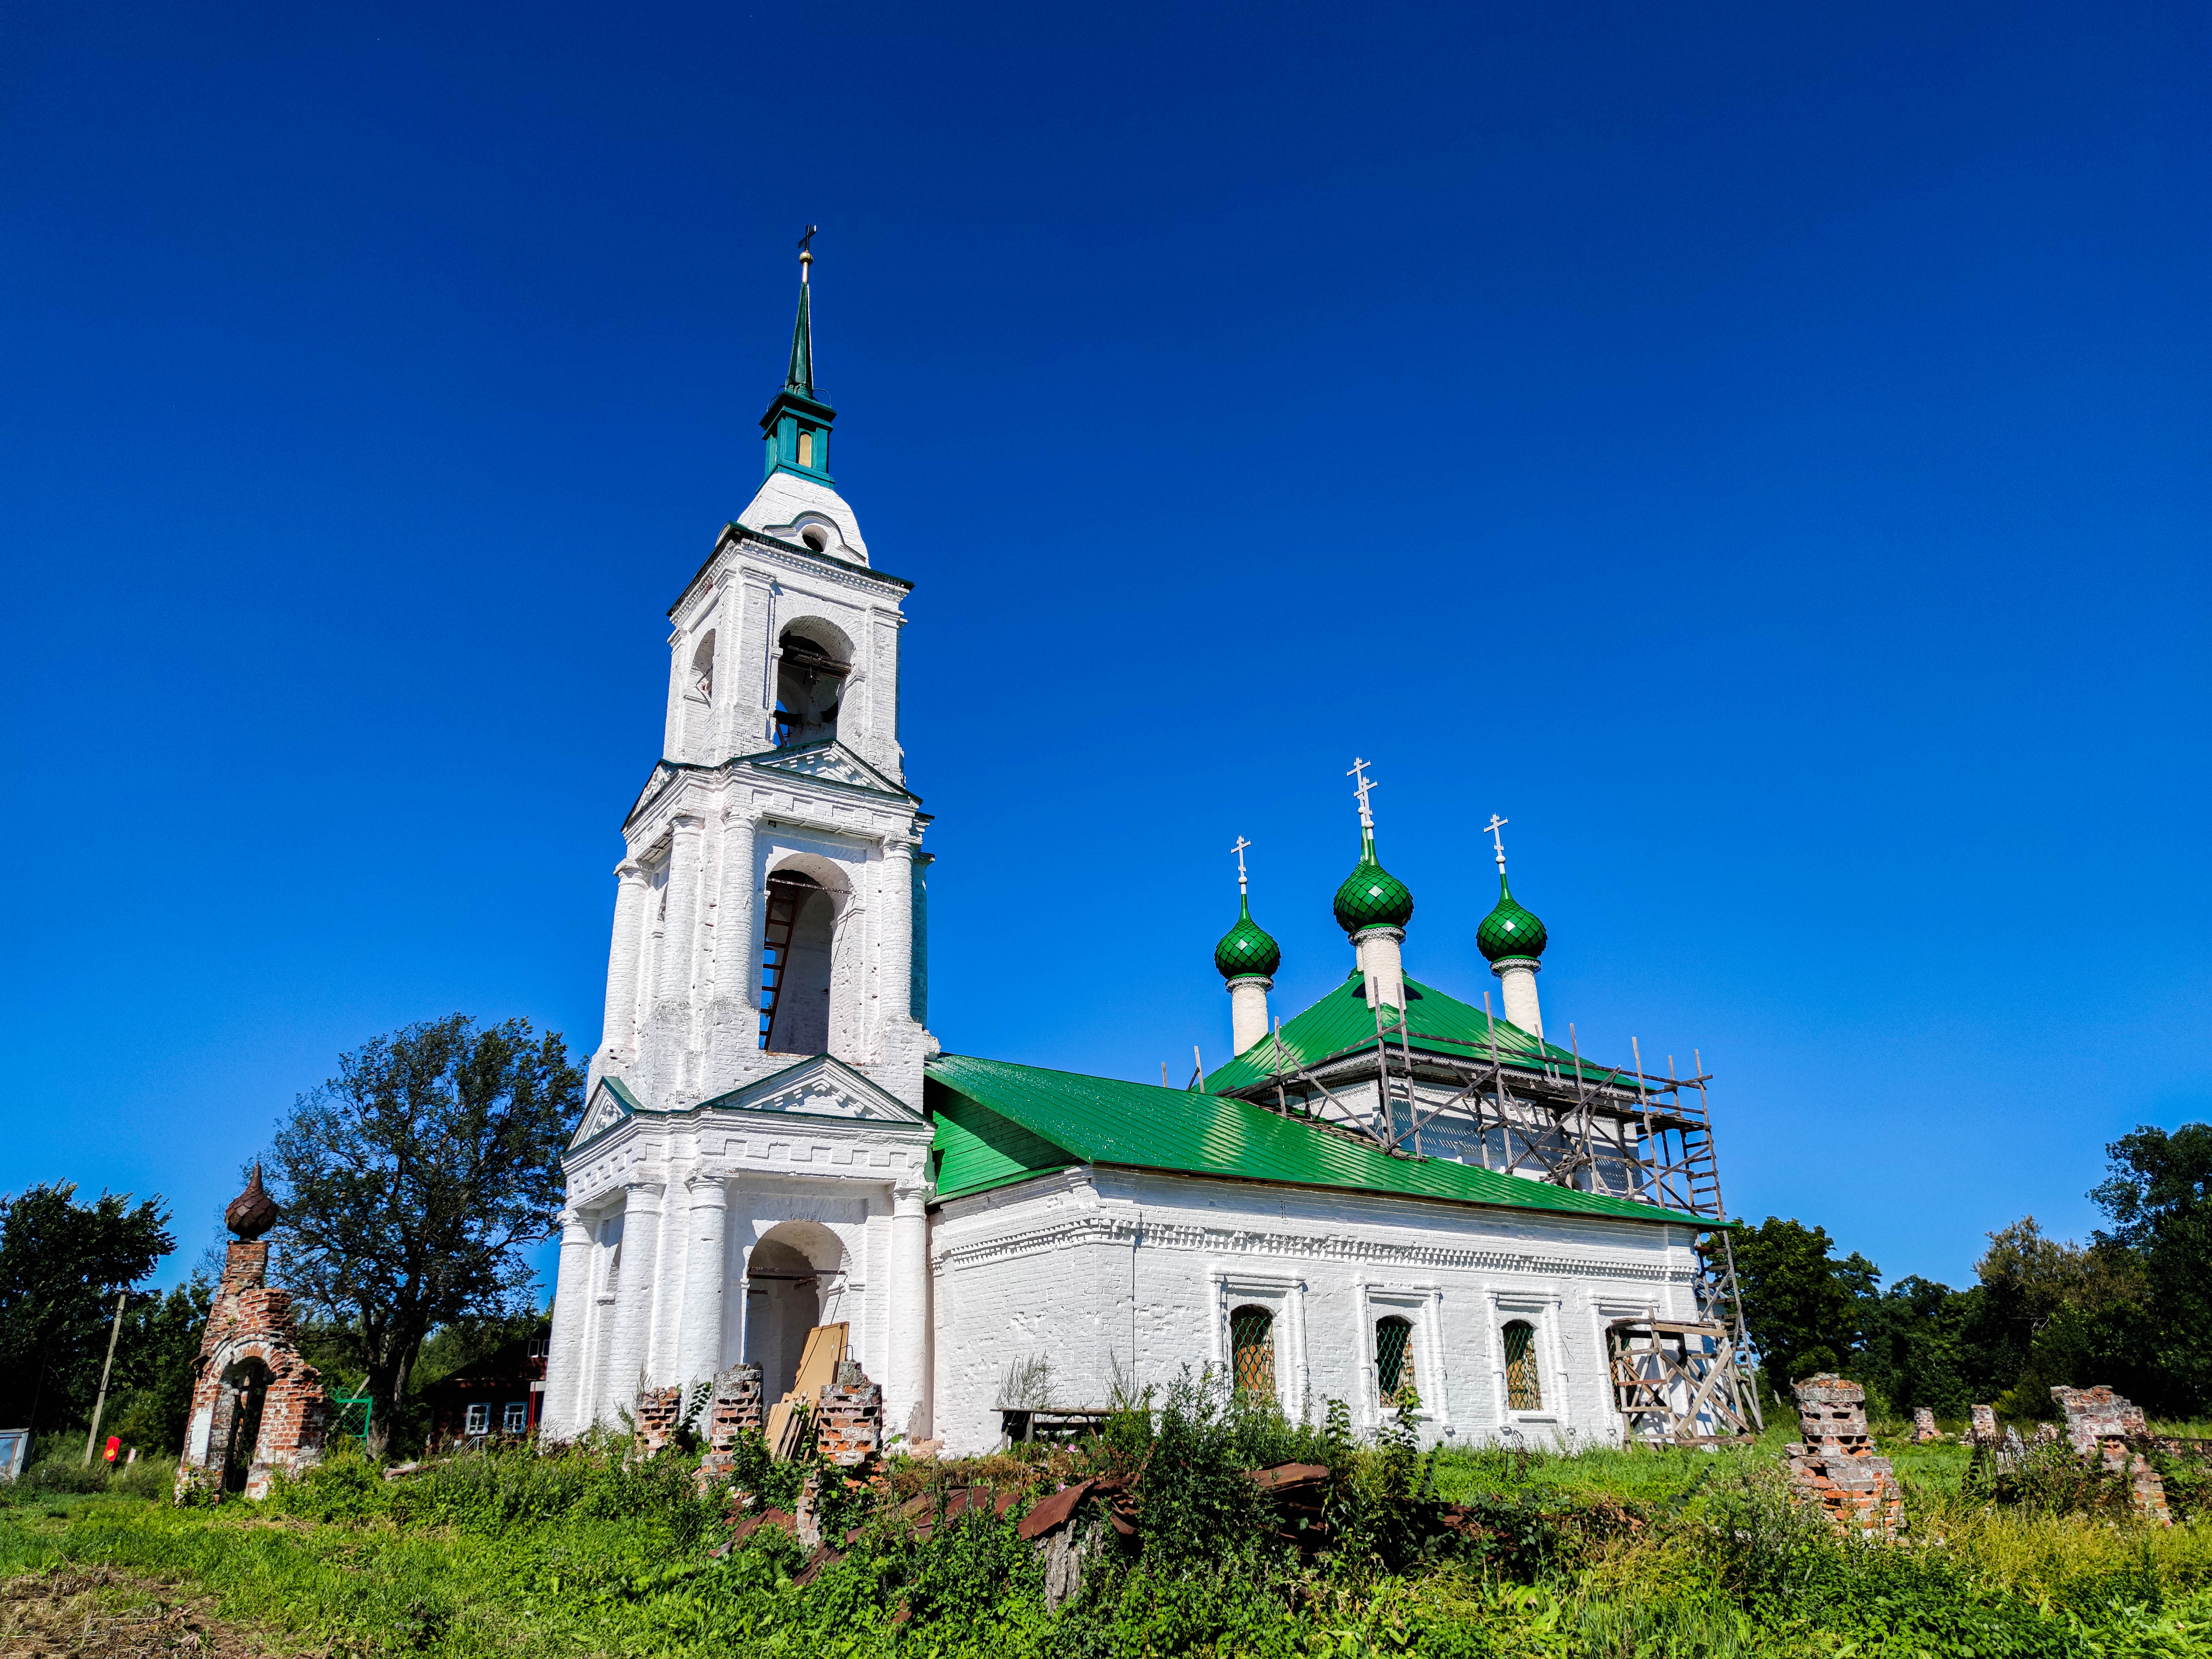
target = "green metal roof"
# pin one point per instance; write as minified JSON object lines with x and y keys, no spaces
{"x":1050,"y":1120}
{"x":1342,"y":1020}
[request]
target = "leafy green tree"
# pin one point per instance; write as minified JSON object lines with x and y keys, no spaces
{"x":2158,"y":1196}
{"x":412,"y":1181}
{"x":1798,"y":1301}
{"x":62,"y":1264}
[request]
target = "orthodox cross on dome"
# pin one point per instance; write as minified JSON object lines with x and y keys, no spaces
{"x":1361,"y":788}
{"x":806,"y":253}
{"x":1495,"y":825}
{"x":1239,"y":850}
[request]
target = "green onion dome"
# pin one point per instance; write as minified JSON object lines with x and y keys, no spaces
{"x":1509,"y":930}
{"x":1246,"y":949}
{"x":1371,"y":897}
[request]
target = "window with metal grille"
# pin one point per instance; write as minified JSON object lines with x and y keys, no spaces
{"x":1523,"y":1391}
{"x":1252,"y":1351}
{"x":1394,"y":1358}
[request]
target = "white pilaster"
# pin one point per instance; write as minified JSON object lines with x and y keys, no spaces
{"x":906,"y":1392}
{"x":1379,"y":960}
{"x":618,"y":1036}
{"x":1248,"y":1010}
{"x":677,"y":933}
{"x":565,"y":1412}
{"x":699,"y":1353}
{"x":1516,"y":981}
{"x":634,"y":1297}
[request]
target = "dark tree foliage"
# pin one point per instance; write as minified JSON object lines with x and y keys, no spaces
{"x":2159,"y":1198}
{"x":412,"y":1181}
{"x":61,"y":1266}
{"x":1797,"y":1299}
{"x":151,"y":1395}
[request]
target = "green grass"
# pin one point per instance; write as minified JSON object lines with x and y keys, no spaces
{"x":1631,"y":1554}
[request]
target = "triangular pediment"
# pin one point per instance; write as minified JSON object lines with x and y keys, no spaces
{"x":611,"y":1102}
{"x":829,"y":761}
{"x":817,"y":1087}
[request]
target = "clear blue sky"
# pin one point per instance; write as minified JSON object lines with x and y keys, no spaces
{"x":1761,"y":452}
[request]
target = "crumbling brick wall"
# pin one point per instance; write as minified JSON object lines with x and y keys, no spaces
{"x":1924,"y":1424}
{"x":1835,"y":1465}
{"x":734,"y":1407}
{"x":2106,"y":1425}
{"x":248,"y":1356}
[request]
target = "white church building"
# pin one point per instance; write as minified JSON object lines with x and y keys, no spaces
{"x":1394,"y":1188}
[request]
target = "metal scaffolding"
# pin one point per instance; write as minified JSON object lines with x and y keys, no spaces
{"x":1559,"y":1119}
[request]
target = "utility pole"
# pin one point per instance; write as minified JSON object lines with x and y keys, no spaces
{"x":101,"y":1404}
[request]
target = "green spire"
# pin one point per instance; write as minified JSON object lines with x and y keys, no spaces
{"x":801,"y":376}
{"x":795,"y":431}
{"x":1509,"y":930}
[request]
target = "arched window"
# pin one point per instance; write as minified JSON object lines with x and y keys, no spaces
{"x":1252,"y":1351}
{"x":1394,"y":1358}
{"x":795,"y":941}
{"x":702,"y":670}
{"x":1524,"y":1390}
{"x":810,"y":681}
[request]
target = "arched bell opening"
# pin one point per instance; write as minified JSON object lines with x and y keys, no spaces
{"x":795,"y":1280}
{"x":813,"y":662}
{"x":797,"y":938}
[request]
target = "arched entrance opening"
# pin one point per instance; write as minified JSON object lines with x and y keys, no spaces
{"x":246,"y":1389}
{"x":795,"y":1280}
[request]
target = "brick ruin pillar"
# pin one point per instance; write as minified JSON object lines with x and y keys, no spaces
{"x":658,"y":1414}
{"x":734,"y":1407}
{"x":2106,"y":1425}
{"x":258,"y":1407}
{"x":1924,"y":1424}
{"x":1835,"y":1465}
{"x":1981,"y":1427}
{"x":849,"y":1424}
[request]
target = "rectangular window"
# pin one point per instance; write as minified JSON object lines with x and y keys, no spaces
{"x":1394,"y":1358}
{"x":805,"y":448}
{"x":517,"y":1419}
{"x":479,"y":1419}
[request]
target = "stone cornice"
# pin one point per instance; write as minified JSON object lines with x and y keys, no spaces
{"x":1117,"y":1228}
{"x":787,"y":557}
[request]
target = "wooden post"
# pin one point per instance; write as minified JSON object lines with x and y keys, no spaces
{"x":101,"y":1404}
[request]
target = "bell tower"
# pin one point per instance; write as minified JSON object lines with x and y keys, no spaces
{"x":771,"y":891}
